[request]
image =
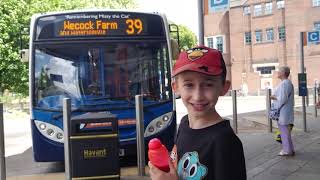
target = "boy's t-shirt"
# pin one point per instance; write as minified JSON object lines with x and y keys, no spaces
{"x":212,"y":153}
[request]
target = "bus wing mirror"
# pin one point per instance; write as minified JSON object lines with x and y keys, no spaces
{"x":24,"y":54}
{"x":174,"y":49}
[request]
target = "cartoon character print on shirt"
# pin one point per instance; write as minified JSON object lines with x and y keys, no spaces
{"x":189,"y":167}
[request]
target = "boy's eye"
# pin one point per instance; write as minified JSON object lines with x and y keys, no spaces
{"x":188,"y":85}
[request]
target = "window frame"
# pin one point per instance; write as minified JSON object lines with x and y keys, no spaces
{"x":211,"y":45}
{"x":246,"y":10}
{"x":268,"y":30}
{"x":247,"y":37}
{"x":260,"y":35}
{"x":220,"y":43}
{"x":215,"y":42}
{"x":282,"y":34}
{"x":255,"y":12}
{"x":316,"y":25}
{"x":268,"y":9}
{"x":315,"y":3}
{"x":280,"y":4}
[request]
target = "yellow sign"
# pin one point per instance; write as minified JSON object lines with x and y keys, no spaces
{"x":94,"y":153}
{"x":100,"y":27}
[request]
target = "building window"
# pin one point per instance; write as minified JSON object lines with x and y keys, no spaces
{"x":246,"y":10}
{"x":266,"y":69}
{"x":258,"y":10}
{"x":258,"y":36}
{"x":282,"y":33}
{"x":247,"y":37}
{"x":315,"y":3}
{"x":269,"y":33}
{"x":280,"y":4}
{"x":216,"y":42}
{"x":210,"y":42}
{"x":220,"y":43}
{"x":316,"y":25}
{"x":268,"y":8}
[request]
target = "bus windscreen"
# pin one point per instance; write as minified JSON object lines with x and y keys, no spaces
{"x":99,"y":24}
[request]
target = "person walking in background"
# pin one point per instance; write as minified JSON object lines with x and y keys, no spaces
{"x":284,"y":99}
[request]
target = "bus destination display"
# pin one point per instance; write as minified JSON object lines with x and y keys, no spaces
{"x":100,"y":25}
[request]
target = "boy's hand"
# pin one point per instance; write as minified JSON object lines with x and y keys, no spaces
{"x":157,"y":174}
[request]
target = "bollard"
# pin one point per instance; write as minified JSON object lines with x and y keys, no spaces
{"x":268,"y":106}
{"x":235,"y":114}
{"x":66,"y":130}
{"x":304,"y":114}
{"x":140,"y":135}
{"x":315,"y":101}
{"x":2,"y":148}
{"x":307,"y":97}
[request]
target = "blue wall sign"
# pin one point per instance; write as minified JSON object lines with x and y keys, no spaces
{"x":313,"y":37}
{"x":218,"y":5}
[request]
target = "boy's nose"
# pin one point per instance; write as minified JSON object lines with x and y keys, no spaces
{"x":198,"y":94}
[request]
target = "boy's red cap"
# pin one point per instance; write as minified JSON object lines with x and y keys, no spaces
{"x":200,"y":59}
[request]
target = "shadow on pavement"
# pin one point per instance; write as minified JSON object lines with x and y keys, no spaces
{"x":23,"y":164}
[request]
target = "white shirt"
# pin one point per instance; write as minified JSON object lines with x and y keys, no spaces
{"x":282,"y":92}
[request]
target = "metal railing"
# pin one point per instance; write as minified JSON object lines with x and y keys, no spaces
{"x":2,"y":148}
{"x":235,"y":113}
{"x":268,"y":107}
{"x":140,"y":135}
{"x":315,"y":101}
{"x":311,"y":99}
{"x":66,"y":130}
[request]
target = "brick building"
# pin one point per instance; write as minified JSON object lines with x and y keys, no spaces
{"x":258,"y":36}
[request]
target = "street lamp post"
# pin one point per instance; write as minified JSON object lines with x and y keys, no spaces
{"x":201,"y":23}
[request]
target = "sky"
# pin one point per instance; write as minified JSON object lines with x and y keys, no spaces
{"x":183,"y":12}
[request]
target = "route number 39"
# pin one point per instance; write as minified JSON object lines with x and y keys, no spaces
{"x":134,"y":26}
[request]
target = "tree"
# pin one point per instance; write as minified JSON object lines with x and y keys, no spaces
{"x":186,"y":37}
{"x":38,"y":6}
{"x":15,"y":16}
{"x":13,"y":73}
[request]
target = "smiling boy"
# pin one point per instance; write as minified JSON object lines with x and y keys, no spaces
{"x":205,"y":146}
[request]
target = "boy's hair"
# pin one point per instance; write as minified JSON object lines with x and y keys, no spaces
{"x":201,"y":59}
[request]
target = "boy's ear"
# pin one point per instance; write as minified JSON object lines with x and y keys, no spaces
{"x":175,"y":88}
{"x":226,"y":87}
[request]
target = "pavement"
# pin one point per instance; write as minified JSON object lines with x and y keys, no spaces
{"x":260,"y":150}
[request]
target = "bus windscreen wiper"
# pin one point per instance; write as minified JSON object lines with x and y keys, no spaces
{"x":126,"y":98}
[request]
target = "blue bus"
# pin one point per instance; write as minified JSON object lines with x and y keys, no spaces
{"x":100,"y":60}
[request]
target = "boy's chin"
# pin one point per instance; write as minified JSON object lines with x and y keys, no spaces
{"x":197,"y":112}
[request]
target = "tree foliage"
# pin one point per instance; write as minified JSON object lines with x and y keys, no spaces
{"x":13,"y":73}
{"x":15,"y":17}
{"x":187,"y":39}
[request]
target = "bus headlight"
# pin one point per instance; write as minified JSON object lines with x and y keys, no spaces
{"x":42,"y":126}
{"x":165,"y":118}
{"x":158,"y":124}
{"x":50,"y":131}
{"x":59,"y":135}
